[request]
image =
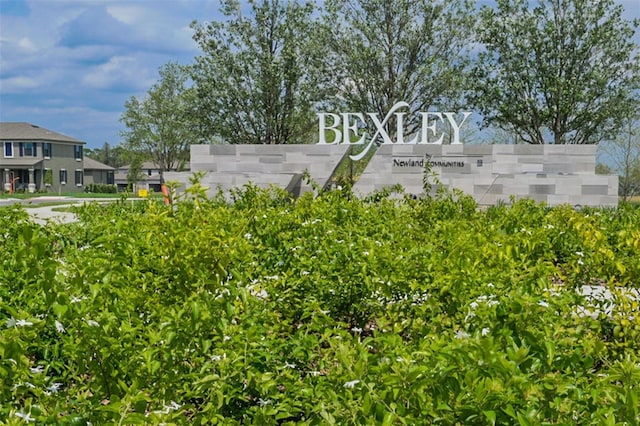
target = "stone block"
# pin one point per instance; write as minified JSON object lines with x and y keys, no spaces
{"x":527,"y":149}
{"x":216,"y":150}
{"x":595,"y":189}
{"x":477,"y":149}
{"x":276,"y":159}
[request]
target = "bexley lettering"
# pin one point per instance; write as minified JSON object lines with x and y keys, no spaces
{"x":347,"y":124}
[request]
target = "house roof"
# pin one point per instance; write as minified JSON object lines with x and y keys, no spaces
{"x":26,"y":131}
{"x":21,"y":162}
{"x":91,"y":164}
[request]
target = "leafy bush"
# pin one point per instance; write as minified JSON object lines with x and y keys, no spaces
{"x":100,"y":188}
{"x":326,"y":310}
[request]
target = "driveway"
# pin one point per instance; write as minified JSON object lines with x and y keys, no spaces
{"x":45,"y":214}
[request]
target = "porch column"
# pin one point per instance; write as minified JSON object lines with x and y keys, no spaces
{"x":32,"y":184}
{"x":7,"y":180}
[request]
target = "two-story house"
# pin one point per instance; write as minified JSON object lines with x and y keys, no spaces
{"x":35,"y":159}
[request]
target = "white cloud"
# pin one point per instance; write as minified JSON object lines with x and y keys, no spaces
{"x":17,"y":84}
{"x":118,"y":71}
{"x":26,"y":44}
{"x":127,"y":14}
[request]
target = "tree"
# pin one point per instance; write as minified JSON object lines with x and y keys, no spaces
{"x":159,"y":126}
{"x":385,"y":51}
{"x":134,"y":173}
{"x":565,"y":70}
{"x":116,"y":156}
{"x":259,"y":75}
{"x":624,"y":152}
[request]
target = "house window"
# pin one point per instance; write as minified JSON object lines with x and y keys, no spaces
{"x":8,"y":149}
{"x":63,"y":177}
{"x":46,"y":149}
{"x":79,"y":177}
{"x":77,"y":152}
{"x":110,"y":177}
{"x":30,"y":150}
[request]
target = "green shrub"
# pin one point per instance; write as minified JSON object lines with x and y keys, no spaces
{"x":99,"y":188}
{"x":323,"y":310}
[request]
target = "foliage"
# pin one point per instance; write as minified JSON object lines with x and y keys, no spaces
{"x":116,"y":156}
{"x":260,"y":73}
{"x":326,"y":310}
{"x":99,"y":188}
{"x":159,"y":127}
{"x":565,"y":67}
{"x":134,"y":172}
{"x":48,"y":177}
{"x":383,"y":52}
{"x":624,"y":151}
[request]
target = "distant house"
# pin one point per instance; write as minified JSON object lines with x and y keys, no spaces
{"x":37,"y":159}
{"x":150,"y":177}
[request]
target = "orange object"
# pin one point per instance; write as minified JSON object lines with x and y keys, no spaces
{"x":165,"y":191}
{"x":12,"y":182}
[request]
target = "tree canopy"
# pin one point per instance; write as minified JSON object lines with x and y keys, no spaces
{"x":385,"y":51}
{"x":565,"y":71}
{"x":160,"y":126}
{"x":260,"y":74}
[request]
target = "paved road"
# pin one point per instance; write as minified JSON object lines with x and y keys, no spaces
{"x":44,"y":214}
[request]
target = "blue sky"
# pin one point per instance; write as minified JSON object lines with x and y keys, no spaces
{"x":70,"y":65}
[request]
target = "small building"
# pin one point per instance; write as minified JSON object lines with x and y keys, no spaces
{"x":149,"y":177}
{"x":98,"y":173}
{"x":37,"y":159}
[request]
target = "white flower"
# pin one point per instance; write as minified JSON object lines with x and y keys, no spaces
{"x":461,"y":334}
{"x":226,"y":338}
{"x":579,"y":253}
{"x":473,"y":305}
{"x":25,"y":384}
{"x":485,"y":331}
{"x":59,"y":327}
{"x":263,"y":402}
{"x":12,"y":322}
{"x":366,"y":253}
{"x":25,"y":416}
{"x":166,"y":409}
{"x":351,"y":384}
{"x":54,"y":387}
{"x":38,"y":369}
{"x":216,"y":357}
{"x":93,"y":323}
{"x":400,"y":359}
{"x":287,"y":365}
{"x":356,"y":330}
{"x":75,"y":299}
{"x":262,"y":294}
{"x":543,"y":304}
{"x":248,"y":235}
{"x":304,"y":273}
{"x":580,"y":261}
